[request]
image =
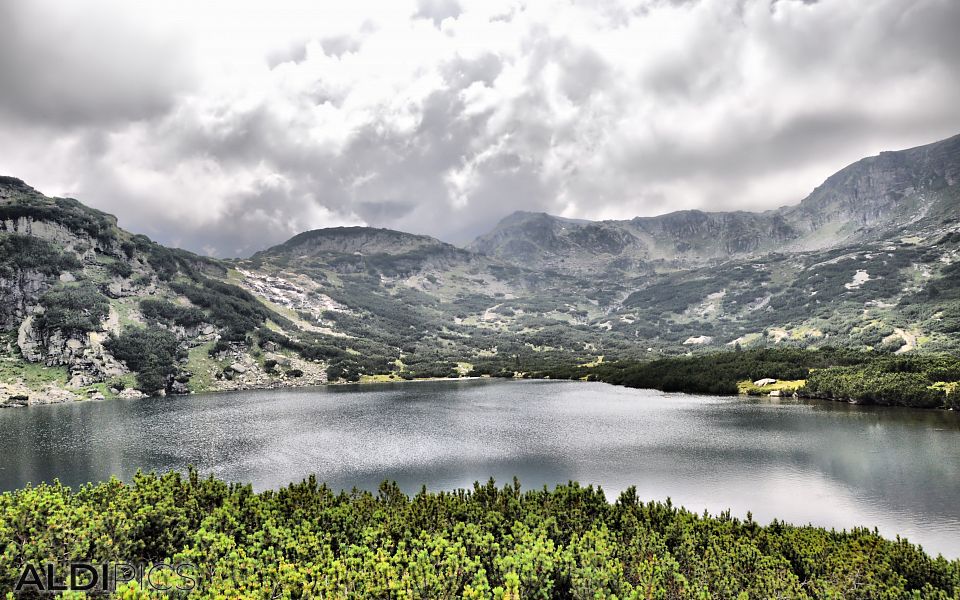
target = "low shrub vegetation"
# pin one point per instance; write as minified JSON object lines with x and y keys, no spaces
{"x":923,"y":381}
{"x":74,"y":309}
{"x":307,"y":541}
{"x":153,"y":352}
{"x":167,"y":312}
{"x":20,"y":254}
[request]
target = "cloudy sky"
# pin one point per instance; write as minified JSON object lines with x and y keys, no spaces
{"x":224,"y":126}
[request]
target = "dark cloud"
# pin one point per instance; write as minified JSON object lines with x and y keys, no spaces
{"x":437,"y":10}
{"x":82,"y":65}
{"x":445,"y":118}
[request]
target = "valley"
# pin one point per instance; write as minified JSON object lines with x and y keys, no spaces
{"x":867,"y":263}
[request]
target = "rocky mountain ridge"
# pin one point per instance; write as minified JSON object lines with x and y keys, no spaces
{"x":862,"y":202}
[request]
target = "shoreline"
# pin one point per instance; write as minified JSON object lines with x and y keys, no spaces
{"x":795,"y":395}
{"x":80,"y":399}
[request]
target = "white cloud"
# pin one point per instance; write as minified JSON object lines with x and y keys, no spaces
{"x":230,"y":125}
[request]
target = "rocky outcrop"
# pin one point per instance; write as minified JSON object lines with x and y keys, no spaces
{"x":15,"y":393}
{"x":51,"y":232}
{"x":881,"y":192}
{"x":246,"y":373}
{"x":53,"y":348}
{"x":19,"y":292}
{"x":84,"y":355}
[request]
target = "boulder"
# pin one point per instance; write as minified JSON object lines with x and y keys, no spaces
{"x":16,"y":400}
{"x":54,"y":395}
{"x":114,"y":289}
{"x":79,"y":379}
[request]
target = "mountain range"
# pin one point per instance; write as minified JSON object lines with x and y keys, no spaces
{"x":868,"y":200}
{"x":869,"y":260}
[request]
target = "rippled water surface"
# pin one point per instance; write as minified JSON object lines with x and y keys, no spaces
{"x":829,"y":464}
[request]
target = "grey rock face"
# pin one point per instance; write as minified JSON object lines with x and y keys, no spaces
{"x":29,"y":342}
{"x":86,"y":359}
{"x":18,"y":294}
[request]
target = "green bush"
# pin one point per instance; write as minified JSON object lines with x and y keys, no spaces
{"x":22,"y":253}
{"x":74,"y":309}
{"x":167,"y":312}
{"x":120,"y":268}
{"x":230,"y":307}
{"x":716,"y":373}
{"x":830,"y":373}
{"x":888,"y":381}
{"x":220,"y":346}
{"x":153,"y":352}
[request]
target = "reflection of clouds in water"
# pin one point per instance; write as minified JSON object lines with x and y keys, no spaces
{"x":829,"y":464}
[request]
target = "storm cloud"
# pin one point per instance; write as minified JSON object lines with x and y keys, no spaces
{"x":225,"y":127}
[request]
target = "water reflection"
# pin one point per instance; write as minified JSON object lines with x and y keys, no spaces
{"x":831,"y":464}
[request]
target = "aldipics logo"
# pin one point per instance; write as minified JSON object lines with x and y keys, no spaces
{"x":105,"y":577}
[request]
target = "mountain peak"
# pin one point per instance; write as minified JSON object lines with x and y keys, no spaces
{"x":352,"y":240}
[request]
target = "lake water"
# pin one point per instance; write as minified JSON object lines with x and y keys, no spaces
{"x":829,"y":464}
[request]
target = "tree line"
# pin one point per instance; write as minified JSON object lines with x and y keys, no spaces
{"x":924,"y":381}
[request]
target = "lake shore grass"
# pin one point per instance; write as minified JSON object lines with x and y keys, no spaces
{"x":785,"y":388}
